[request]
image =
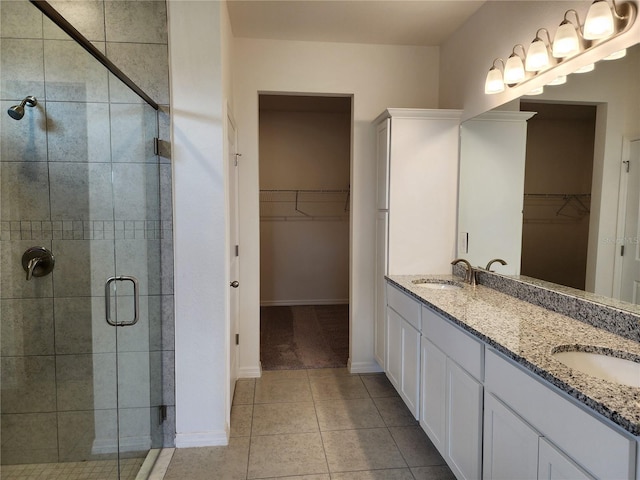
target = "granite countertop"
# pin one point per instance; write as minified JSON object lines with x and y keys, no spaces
{"x":528,"y":334}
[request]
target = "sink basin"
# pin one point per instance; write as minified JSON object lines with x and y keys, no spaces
{"x":607,"y":365}
{"x":437,"y":284}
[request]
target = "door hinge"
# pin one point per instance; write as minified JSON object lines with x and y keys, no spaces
{"x":237,"y":250}
{"x":156,"y":146}
{"x":622,"y":250}
{"x":235,"y":161}
{"x":162,"y":413}
{"x":237,"y":339}
{"x":628,"y":164}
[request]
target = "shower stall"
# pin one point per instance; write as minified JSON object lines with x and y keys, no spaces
{"x":86,"y":305}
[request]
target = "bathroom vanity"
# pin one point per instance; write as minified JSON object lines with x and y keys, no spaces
{"x":477,"y":368}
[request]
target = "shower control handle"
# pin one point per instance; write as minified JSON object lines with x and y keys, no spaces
{"x":37,"y":262}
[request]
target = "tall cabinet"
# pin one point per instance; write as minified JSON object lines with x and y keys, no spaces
{"x":417,"y":169}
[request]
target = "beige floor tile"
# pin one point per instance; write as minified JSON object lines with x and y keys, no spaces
{"x":328,"y":388}
{"x":395,"y":474}
{"x":378,"y":385}
{"x":415,"y":446}
{"x":438,"y":472}
{"x":207,"y":463}
{"x":366,"y":449}
{"x":348,"y":414}
{"x":322,"y":476}
{"x":245,"y":390}
{"x":279,"y":418}
{"x":394,"y":412}
{"x":282,"y":455}
{"x":282,"y":390}
{"x":284,"y":374}
{"x":328,"y":372}
{"x":241,"y":420}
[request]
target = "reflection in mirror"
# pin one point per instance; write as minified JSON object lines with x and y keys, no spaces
{"x":543,"y":184}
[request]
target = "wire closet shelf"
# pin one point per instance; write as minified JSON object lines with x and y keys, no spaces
{"x":304,"y":204}
{"x":556,"y":207}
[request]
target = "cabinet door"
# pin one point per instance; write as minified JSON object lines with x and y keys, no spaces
{"x":554,"y":465}
{"x":381,"y":299}
{"x":394,"y":348}
{"x":433,"y":393}
{"x":464,"y":423}
{"x":382,"y":160}
{"x":410,"y":389}
{"x":510,"y":444}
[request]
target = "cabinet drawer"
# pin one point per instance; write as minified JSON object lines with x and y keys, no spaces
{"x":407,"y":307}
{"x":603,"y":451}
{"x":463,"y":349}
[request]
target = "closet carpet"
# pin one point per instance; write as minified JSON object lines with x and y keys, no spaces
{"x":304,"y":336}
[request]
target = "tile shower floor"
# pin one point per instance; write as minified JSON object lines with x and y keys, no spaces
{"x":91,"y":470}
{"x":316,"y":425}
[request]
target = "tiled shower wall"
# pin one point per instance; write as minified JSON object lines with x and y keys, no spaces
{"x":57,"y":167}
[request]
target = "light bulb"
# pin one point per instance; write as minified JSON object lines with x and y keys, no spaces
{"x":599,"y":22}
{"x":535,"y":91}
{"x":494,"y":82}
{"x":566,"y":40}
{"x":513,"y":70}
{"x":537,"y":56}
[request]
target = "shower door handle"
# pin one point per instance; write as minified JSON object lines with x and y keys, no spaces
{"x":107,"y":296}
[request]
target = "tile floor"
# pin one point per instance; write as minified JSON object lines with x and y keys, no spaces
{"x":316,"y":425}
{"x":91,"y":470}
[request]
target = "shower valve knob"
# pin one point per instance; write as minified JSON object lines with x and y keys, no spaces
{"x":37,"y":262}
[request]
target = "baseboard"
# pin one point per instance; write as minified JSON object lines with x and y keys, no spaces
{"x":290,"y":303}
{"x":250,"y":372}
{"x":206,"y":439}
{"x":364,"y":367}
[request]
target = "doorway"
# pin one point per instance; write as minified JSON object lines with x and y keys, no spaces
{"x":305,"y":158}
{"x":557,"y":192}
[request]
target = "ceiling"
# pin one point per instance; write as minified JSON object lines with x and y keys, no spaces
{"x":387,"y":22}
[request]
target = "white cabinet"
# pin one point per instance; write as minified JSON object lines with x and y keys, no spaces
{"x":380,"y":286}
{"x":554,"y":465}
{"x":403,"y":347}
{"x":416,"y":199}
{"x":578,"y":437}
{"x":451,"y":397}
{"x":433,"y":395}
{"x":510,"y":444}
{"x":417,"y":168}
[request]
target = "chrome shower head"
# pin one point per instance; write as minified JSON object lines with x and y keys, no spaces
{"x":17,"y":111}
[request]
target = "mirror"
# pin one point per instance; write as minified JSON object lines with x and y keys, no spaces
{"x":548,"y":200}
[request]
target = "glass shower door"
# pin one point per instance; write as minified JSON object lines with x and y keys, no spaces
{"x":78,"y":176}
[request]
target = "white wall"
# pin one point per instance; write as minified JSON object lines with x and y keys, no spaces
{"x":378,"y":77}
{"x":465,"y":58}
{"x":196,"y":49}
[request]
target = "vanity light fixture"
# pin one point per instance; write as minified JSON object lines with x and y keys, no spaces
{"x":599,"y":22}
{"x":514,"y":68}
{"x":537,"y":57}
{"x":566,"y":42}
{"x":571,"y":39}
{"x":560,"y":80}
{"x":586,"y":68}
{"x":495,"y":80}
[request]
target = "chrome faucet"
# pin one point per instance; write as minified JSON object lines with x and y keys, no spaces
{"x":471,"y":273}
{"x":491,"y":262}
